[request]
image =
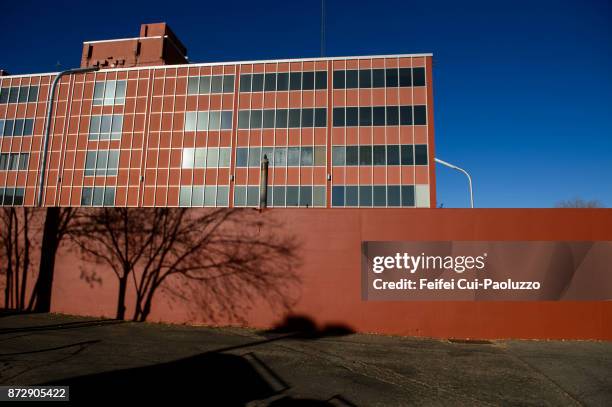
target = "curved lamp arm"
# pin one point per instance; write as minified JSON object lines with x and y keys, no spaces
{"x":449,"y":165}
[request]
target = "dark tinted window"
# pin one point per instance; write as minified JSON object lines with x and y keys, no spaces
{"x":279,"y":196}
{"x":281,"y":118}
{"x":365,"y":155}
{"x":378,"y":78}
{"x":379,"y":155}
{"x":352,"y":196}
{"x":306,"y":196}
{"x":243,"y":120}
{"x":293,"y":194}
{"x":378,"y":118}
{"x":391,"y":79}
{"x":258,"y":82}
{"x":245,"y":83}
{"x":407,"y":195}
{"x":339,"y":82}
{"x":420,"y":154}
{"x":216,"y":84}
{"x":295,"y":81}
{"x":380,"y":195}
{"x":352,"y":155}
{"x":365,"y":78}
{"x":365,"y":195}
{"x":242,"y":155}
{"x":337,"y":196}
{"x":419,"y":76}
{"x":320,"y":117}
{"x":393,"y":195}
{"x":404,"y":77}
{"x":255,"y":119}
{"x":392,"y":115}
{"x":420,"y":115}
{"x":282,"y":81}
{"x":293,"y":156}
{"x":405,"y":115}
{"x":352,"y":79}
{"x":280,"y":156}
{"x":365,"y":116}
{"x":307,"y":117}
{"x":268,"y":119}
{"x":338,"y":155}
{"x":294,"y":118}
{"x":307,"y":157}
{"x":270,"y":82}
{"x":393,"y":155}
{"x":321,"y":80}
{"x":352,"y":116}
{"x":338,"y":116}
{"x":407,"y":155}
{"x":228,"y":83}
{"x":308,"y":80}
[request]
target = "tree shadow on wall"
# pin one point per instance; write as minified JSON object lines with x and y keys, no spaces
{"x":218,"y":262}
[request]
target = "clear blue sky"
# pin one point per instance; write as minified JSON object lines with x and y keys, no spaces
{"x":522,"y":89}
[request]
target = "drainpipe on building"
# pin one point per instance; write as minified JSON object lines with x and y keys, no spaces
{"x":43,"y":165}
{"x":449,"y":165}
{"x":263,"y":186}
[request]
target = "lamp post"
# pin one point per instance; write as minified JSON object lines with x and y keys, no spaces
{"x":43,"y":165}
{"x":449,"y":165}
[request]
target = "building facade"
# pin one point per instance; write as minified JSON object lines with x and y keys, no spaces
{"x":338,"y":132}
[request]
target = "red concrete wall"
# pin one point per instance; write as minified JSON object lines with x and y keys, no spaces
{"x":329,"y":248}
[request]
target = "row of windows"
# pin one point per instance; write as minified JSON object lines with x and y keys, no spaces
{"x":109,"y":93}
{"x":19,"y":94}
{"x":102,"y":162}
{"x":105,"y":127}
{"x":393,"y":154}
{"x":11,"y":196}
{"x":380,"y":116}
{"x":377,"y":195}
{"x":305,"y":196}
{"x":211,"y":157}
{"x":98,"y":196}
{"x":282,"y":118}
{"x":280,"y":156}
{"x":203,"y":121}
{"x":16,"y":127}
{"x":204,"y":196}
{"x":379,"y":78}
{"x":282,"y":81}
{"x":14,"y":161}
{"x":204,"y":85}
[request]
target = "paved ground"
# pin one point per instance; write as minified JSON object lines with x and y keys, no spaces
{"x":103,"y":359}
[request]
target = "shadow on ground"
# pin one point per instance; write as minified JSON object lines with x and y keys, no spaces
{"x":215,"y":378}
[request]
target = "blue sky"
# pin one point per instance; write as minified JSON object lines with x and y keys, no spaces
{"x":522,"y":89}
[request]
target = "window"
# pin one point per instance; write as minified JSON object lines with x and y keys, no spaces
{"x":365,"y":195}
{"x":270,"y":82}
{"x":203,"y":195}
{"x":407,"y":195}
{"x":393,"y":195}
{"x":320,"y":156}
{"x":282,"y":81}
{"x":109,"y":93}
{"x":19,"y":94}
{"x":211,"y":157}
{"x":365,"y":116}
{"x":393,"y":155}
{"x":321,"y":80}
{"x":280,"y":156}
{"x":420,"y":115}
{"x":392,"y":115}
{"x":380,"y":195}
{"x":378,"y":116}
{"x":337,"y":196}
{"x":295,"y":81}
{"x":215,"y":120}
{"x":239,"y":196}
{"x":338,"y":155}
{"x":105,"y":127}
{"x":292,"y":196}
{"x":320,"y":117}
{"x":307,"y":117}
{"x":352,"y":116}
{"x":308,"y":80}
{"x":352,"y":196}
{"x":16,"y":127}
{"x":420,"y":154}
{"x":339,"y":79}
{"x":98,"y":196}
{"x":405,"y":77}
{"x":242,"y":156}
{"x":407,"y":155}
{"x":14,"y":161}
{"x":268,"y":119}
{"x":318,"y":196}
{"x":352,"y":155}
{"x":293,"y":156}
{"x":338,"y":117}
{"x":391,"y":77}
{"x":365,"y":78}
{"x":306,"y":154}
{"x":11,"y":196}
{"x":281,"y":118}
{"x":245,"y":83}
{"x":378,"y":78}
{"x":365,"y":155}
{"x":379,"y":155}
{"x":243,"y":119}
{"x":352,"y":79}
{"x":418,"y":76}
{"x":258,"y":82}
{"x":294,"y":118}
{"x":254,"y":157}
{"x":102,"y":162}
{"x":405,"y":115}
{"x":202,"y":85}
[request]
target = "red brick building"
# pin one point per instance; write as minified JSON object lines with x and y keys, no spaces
{"x":149,"y":129}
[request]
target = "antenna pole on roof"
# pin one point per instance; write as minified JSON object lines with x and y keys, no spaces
{"x":322,"y":28}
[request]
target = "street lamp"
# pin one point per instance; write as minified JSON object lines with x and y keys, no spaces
{"x":463,"y":171}
{"x":41,"y":180}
